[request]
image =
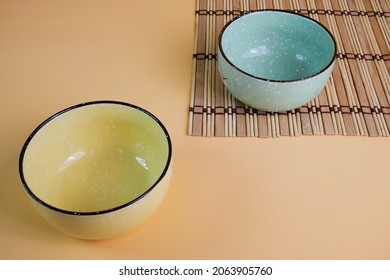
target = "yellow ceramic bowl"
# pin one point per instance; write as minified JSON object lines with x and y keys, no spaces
{"x":97,"y":169}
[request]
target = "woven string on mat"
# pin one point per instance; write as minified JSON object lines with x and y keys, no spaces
{"x":355,"y":101}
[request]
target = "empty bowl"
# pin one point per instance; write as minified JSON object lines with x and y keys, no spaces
{"x":97,"y":169}
{"x":275,"y":60}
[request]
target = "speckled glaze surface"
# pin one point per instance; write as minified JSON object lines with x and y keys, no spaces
{"x":275,"y":60}
{"x":98,"y":169}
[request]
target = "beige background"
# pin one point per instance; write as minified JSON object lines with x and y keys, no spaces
{"x":231,"y":198}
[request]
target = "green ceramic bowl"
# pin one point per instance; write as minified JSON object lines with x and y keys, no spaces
{"x":97,"y":169}
{"x":275,"y":60}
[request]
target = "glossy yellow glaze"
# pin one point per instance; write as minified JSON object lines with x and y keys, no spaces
{"x":95,"y":158}
{"x":111,"y":224}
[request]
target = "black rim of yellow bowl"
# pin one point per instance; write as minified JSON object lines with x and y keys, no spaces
{"x":89,"y":213}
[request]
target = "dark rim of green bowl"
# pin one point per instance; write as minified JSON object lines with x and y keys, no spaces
{"x":276,"y":11}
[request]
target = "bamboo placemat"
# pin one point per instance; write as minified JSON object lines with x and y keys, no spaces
{"x":355,"y":101}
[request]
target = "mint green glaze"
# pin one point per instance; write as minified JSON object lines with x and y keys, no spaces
{"x":275,"y":60}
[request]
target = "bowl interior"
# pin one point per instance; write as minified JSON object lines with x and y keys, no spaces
{"x":96,"y":157}
{"x":275,"y":45}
